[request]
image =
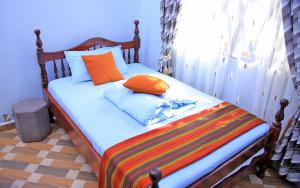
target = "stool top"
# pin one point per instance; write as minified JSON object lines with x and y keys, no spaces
{"x":29,"y":105}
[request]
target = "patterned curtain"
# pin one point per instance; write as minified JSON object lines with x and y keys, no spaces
{"x":291,"y":25}
{"x":169,"y":13}
{"x":288,"y":148}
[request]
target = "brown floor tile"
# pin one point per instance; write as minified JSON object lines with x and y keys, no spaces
{"x":69,"y":150}
{"x":286,"y":186}
{"x":8,"y":134}
{"x":14,"y":174}
{"x":7,"y":127}
{"x":56,"y":181}
{"x":90,"y":184}
{"x":55,"y":135}
{"x":5,"y":182}
{"x":25,"y":151}
{"x":250,"y":185}
{"x":27,"y":159}
{"x":88,"y":176}
{"x":39,"y":146}
{"x":243,"y":181}
{"x":61,"y":172}
{"x":277,"y":181}
{"x":66,"y":164}
{"x":7,"y":141}
{"x":2,"y":154}
{"x":38,"y":185}
{"x":62,"y":156}
{"x":54,"y":176}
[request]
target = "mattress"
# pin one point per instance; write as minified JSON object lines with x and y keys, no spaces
{"x":105,"y":125}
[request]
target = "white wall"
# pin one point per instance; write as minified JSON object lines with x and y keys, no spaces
{"x":63,"y":23}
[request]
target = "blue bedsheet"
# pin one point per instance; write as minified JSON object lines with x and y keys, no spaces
{"x":146,"y":108}
{"x":105,"y":125}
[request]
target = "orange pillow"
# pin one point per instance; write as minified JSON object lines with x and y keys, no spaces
{"x":146,"y":84}
{"x":102,"y":68}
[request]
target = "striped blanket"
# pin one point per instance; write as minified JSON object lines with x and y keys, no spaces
{"x":173,"y":146}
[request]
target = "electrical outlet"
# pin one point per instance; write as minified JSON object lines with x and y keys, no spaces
{"x":8,"y":122}
{"x":6,"y":117}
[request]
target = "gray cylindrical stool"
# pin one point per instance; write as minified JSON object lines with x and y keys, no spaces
{"x":32,"y":119}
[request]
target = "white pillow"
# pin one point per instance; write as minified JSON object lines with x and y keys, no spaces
{"x":118,"y":57}
{"x":78,"y":68}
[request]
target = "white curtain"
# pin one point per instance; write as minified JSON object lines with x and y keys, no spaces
{"x":234,"y":50}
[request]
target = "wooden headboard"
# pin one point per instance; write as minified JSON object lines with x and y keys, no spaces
{"x":62,"y":68}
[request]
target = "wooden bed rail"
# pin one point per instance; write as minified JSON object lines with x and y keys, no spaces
{"x":156,"y":175}
{"x":90,"y":44}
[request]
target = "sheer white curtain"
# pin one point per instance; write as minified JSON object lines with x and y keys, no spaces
{"x":234,"y":50}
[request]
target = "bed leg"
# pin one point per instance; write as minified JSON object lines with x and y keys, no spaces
{"x":51,"y":116}
{"x":155,"y":175}
{"x":261,"y":172}
{"x":272,"y":139}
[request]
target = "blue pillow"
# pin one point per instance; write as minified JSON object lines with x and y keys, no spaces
{"x":78,"y":68}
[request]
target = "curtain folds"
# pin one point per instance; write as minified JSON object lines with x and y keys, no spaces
{"x":234,"y":50}
{"x":291,"y":25}
{"x":288,"y":148}
{"x":169,"y":13}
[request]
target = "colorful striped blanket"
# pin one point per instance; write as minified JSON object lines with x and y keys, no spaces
{"x":173,"y":146}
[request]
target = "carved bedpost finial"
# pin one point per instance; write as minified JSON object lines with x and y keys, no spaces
{"x":280,"y":114}
{"x":39,"y":43}
{"x":155,"y":175}
{"x":276,"y":125}
{"x":136,"y":30}
{"x":137,"y":39}
{"x":39,"y":52}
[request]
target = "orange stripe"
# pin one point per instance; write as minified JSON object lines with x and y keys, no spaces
{"x":142,"y":158}
{"x":118,"y":148}
{"x":164,"y":147}
{"x":144,"y":180}
{"x":146,"y":155}
{"x":182,"y":138}
{"x":167,"y":129}
{"x":219,"y":141}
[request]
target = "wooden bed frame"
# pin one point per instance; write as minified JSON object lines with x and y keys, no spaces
{"x":258,"y":165}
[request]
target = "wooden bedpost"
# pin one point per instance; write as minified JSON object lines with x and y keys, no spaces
{"x":155,"y":175}
{"x":39,"y":51}
{"x":276,"y":125}
{"x":137,"y":39}
{"x":273,"y":137}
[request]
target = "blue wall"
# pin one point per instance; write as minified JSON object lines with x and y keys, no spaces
{"x":63,"y":23}
{"x":150,"y":32}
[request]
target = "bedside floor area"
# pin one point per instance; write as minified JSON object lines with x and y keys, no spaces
{"x":55,"y":162}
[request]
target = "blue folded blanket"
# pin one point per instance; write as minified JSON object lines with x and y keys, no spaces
{"x":145,"y":108}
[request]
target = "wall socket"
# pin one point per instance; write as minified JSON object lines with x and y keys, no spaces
{"x":6,"y":117}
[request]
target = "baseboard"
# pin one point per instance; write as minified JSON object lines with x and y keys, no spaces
{"x":7,"y":126}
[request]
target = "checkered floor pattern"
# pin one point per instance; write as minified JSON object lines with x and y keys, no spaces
{"x":55,"y":162}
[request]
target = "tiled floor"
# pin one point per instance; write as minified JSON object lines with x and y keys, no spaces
{"x":55,"y":162}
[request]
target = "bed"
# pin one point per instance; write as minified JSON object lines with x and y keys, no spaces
{"x":81,"y":119}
